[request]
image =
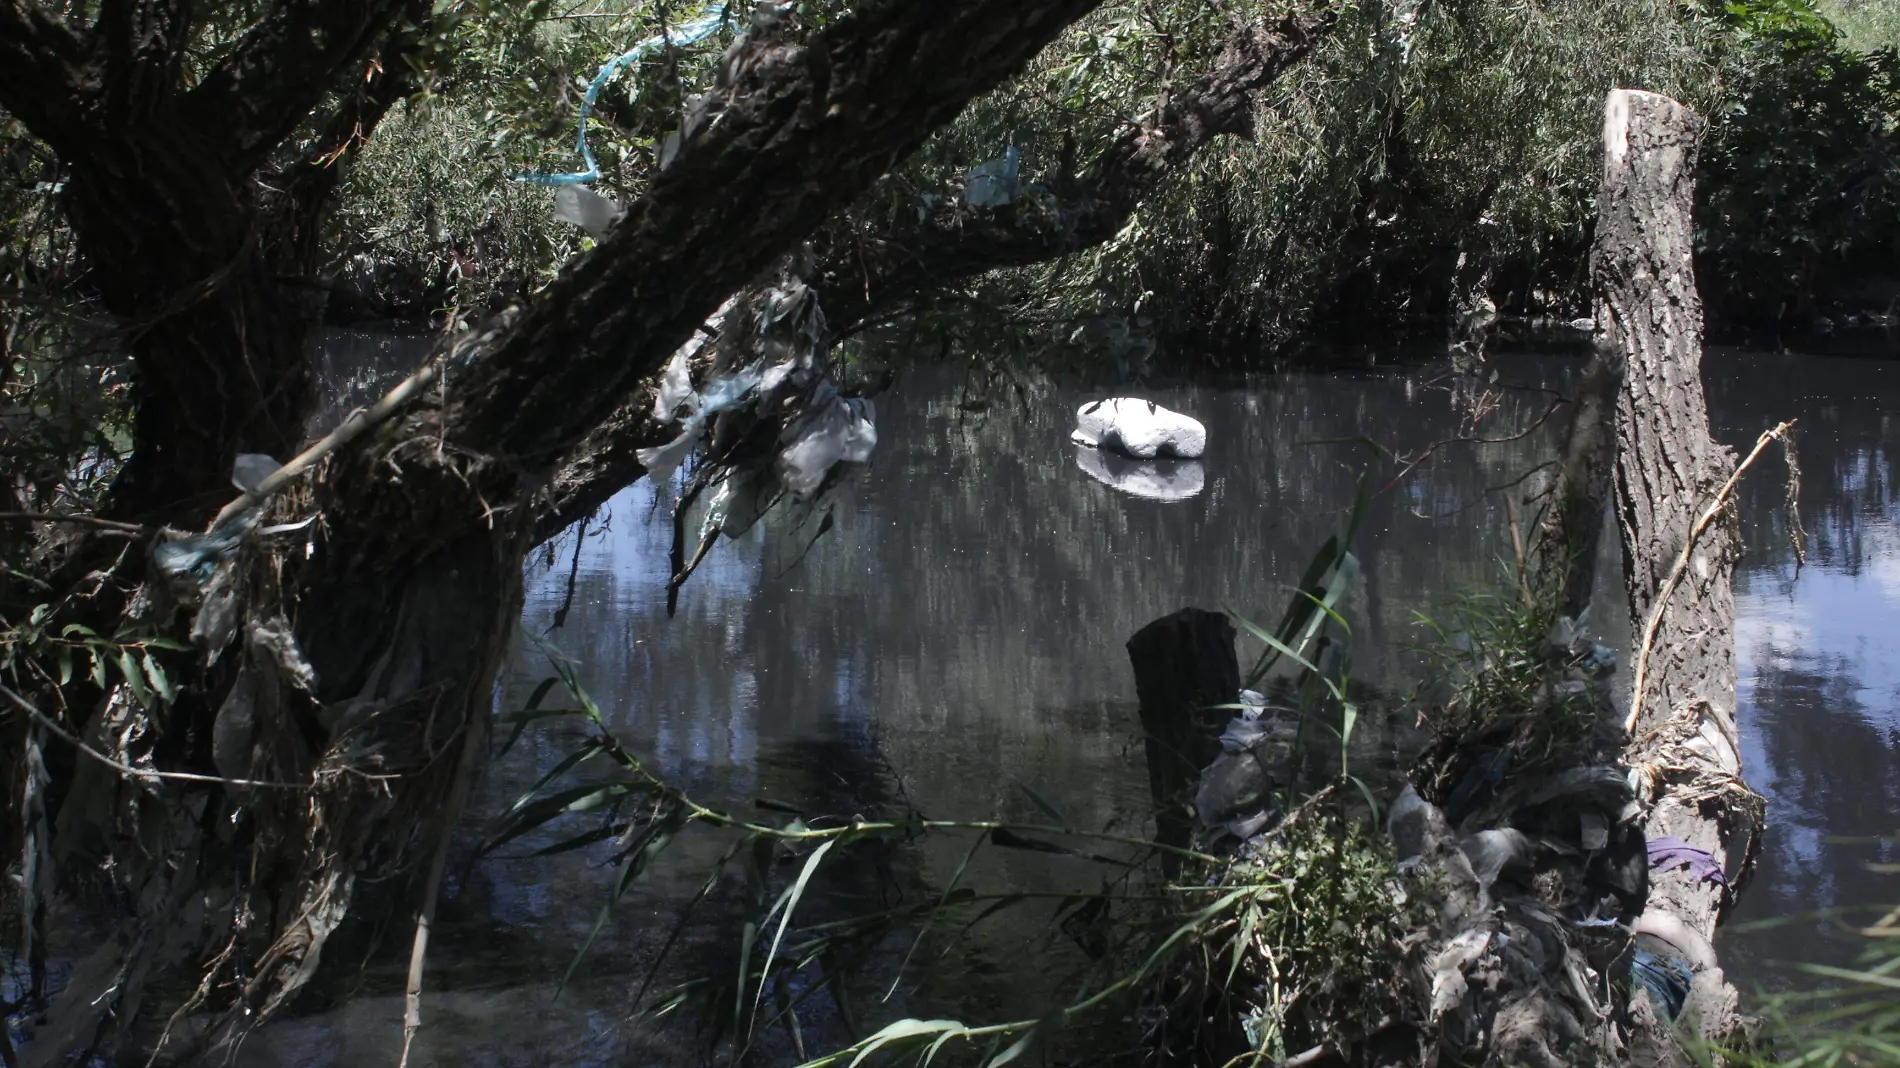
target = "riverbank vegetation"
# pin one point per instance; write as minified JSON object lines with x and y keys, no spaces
{"x":1430,"y":156}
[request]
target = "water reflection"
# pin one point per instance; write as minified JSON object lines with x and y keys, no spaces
{"x":1819,"y":653}
{"x":960,"y":632}
{"x":1155,"y":480}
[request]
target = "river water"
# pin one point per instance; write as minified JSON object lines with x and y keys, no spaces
{"x":953,"y":645}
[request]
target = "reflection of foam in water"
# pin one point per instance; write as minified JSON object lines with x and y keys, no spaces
{"x":1156,"y":480}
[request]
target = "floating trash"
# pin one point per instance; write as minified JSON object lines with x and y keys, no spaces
{"x":1138,"y":428}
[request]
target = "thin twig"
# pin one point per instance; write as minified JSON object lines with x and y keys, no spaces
{"x":359,"y":422}
{"x":126,"y":769}
{"x":1682,"y":564}
{"x":130,"y":530}
{"x":472,"y":744}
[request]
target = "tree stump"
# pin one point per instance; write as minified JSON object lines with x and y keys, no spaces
{"x":1184,"y":666}
{"x":1669,"y":471}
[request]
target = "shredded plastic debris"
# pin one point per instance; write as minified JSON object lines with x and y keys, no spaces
{"x":1479,"y":784}
{"x":251,"y":469}
{"x":995,"y":184}
{"x":1667,"y":980}
{"x":676,"y":386}
{"x":189,"y":563}
{"x":586,"y":209}
{"x":694,"y":31}
{"x":834,"y":430}
{"x":721,"y":393}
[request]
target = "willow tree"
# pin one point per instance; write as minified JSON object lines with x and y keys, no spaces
{"x":318,"y":730}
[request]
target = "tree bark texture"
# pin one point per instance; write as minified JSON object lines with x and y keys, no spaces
{"x":1668,"y":472}
{"x":1185,"y":667}
{"x":211,"y":272}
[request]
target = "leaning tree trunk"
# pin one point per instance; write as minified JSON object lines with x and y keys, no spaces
{"x":1679,"y":567}
{"x":372,"y":702}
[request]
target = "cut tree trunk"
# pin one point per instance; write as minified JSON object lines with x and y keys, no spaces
{"x":1184,"y":668}
{"x":1669,"y":472}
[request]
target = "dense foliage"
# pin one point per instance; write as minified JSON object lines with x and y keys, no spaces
{"x":1800,"y":214}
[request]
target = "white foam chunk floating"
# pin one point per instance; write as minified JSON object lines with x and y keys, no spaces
{"x":1139,"y":428}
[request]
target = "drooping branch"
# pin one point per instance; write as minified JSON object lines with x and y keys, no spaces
{"x":959,"y":242}
{"x":796,"y":131}
{"x":870,"y":278}
{"x":395,"y":71}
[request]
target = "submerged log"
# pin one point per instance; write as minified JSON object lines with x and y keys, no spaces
{"x":1184,"y":667}
{"x":1669,"y":472}
{"x":1572,"y":529}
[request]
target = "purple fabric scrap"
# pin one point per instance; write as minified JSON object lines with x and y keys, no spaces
{"x":1676,"y":853}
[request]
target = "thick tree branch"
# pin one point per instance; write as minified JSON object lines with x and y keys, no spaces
{"x":40,"y":73}
{"x":797,"y":131}
{"x":136,"y":47}
{"x":282,"y":68}
{"x":862,"y":280}
{"x":393,"y":72}
{"x":960,"y":242}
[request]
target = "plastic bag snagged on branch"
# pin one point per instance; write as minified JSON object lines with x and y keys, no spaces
{"x":776,"y":339}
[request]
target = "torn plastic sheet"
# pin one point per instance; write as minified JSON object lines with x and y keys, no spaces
{"x":694,"y":31}
{"x":586,"y":209}
{"x":996,"y":183}
{"x":743,"y":499}
{"x":1672,"y":853}
{"x":721,"y":393}
{"x":835,"y":430}
{"x":676,"y":387}
{"x":1667,"y":980}
{"x":188,"y":563}
{"x":251,"y":469}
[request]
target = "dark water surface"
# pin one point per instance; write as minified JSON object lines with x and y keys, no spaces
{"x":960,"y":632}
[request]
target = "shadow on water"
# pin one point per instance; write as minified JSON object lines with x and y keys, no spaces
{"x":960,"y":630}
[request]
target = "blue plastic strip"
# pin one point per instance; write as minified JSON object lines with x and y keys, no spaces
{"x":708,"y":23}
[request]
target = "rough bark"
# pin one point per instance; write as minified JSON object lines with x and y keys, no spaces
{"x":867,"y":278}
{"x":1185,"y":667}
{"x":1668,"y":471}
{"x":211,"y":272}
{"x":409,"y":597}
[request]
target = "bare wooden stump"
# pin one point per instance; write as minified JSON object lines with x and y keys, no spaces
{"x":1184,"y":664}
{"x":1668,"y":473}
